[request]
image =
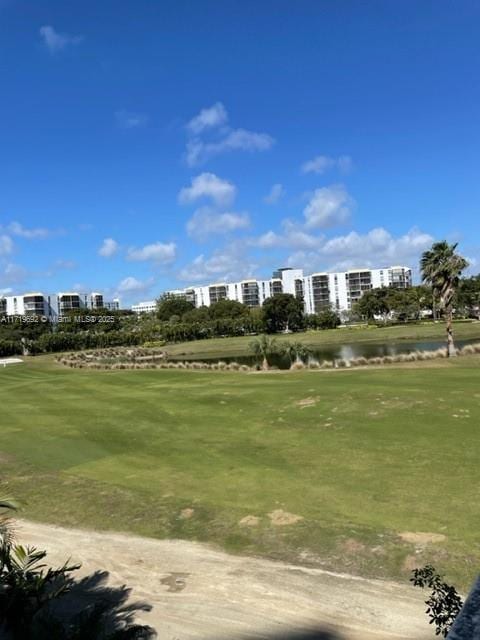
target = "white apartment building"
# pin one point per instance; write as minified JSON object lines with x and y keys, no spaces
{"x":53,"y":305}
{"x":145,"y":307}
{"x":319,"y":291}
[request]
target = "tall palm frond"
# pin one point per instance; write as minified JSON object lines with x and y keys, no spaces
{"x":7,"y":506}
{"x":441,"y":268}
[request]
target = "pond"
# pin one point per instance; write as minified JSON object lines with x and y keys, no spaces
{"x":345,"y":351}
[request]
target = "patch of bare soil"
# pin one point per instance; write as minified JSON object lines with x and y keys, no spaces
{"x":280,"y":518}
{"x":421,"y":538}
{"x":186,"y":514}
{"x":307,"y":402}
{"x":353,"y":546}
{"x":175,"y":581}
{"x":198,"y":592}
{"x":249,"y":521}
{"x":411,"y":562}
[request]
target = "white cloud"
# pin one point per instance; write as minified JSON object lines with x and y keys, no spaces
{"x":199,"y":151}
{"x":377,"y":242}
{"x":227,"y":264}
{"x":378,"y":247}
{"x":162,"y":253}
{"x":132,"y":285}
{"x":206,"y":222}
{"x":208,"y":185}
{"x":15,"y":228}
{"x":109,"y":248}
{"x":293,"y":236}
{"x":268,"y":240}
{"x":6,"y":245}
{"x":211,"y":117}
{"x":12,"y":274}
{"x":55,"y":41}
{"x":223,"y":138}
{"x":328,"y":207}
{"x":276,"y":193}
{"x":321,"y":164}
{"x":244,"y":140}
{"x":130,"y":120}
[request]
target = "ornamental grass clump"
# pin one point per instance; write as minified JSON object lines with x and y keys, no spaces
{"x":467,"y":350}
{"x":297,"y":366}
{"x":359,"y":362}
{"x":326,"y":364}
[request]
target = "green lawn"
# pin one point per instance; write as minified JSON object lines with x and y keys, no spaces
{"x":361,"y":455}
{"x":235,"y":347}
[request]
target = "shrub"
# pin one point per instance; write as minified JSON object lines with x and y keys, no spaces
{"x":444,"y":603}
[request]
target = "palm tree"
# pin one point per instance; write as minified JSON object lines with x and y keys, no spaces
{"x":296,"y":351}
{"x":441,"y":268}
{"x":6,"y":507}
{"x":263,"y":347}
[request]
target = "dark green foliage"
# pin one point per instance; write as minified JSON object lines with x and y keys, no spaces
{"x":10,"y":348}
{"x":467,"y":299}
{"x":168,"y":306}
{"x":443,"y":604}
{"x":227,"y":309}
{"x":374,"y":303}
{"x":328,"y":319}
{"x":201,"y":314}
{"x":283,"y":312}
{"x":394,"y":304}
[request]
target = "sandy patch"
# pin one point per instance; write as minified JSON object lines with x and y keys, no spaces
{"x":175,"y":582}
{"x":350,"y":545}
{"x":186,"y":514}
{"x":198,"y":592}
{"x":307,"y":402}
{"x":411,"y":562}
{"x":421,"y":538}
{"x":280,"y":518}
{"x":249,"y":521}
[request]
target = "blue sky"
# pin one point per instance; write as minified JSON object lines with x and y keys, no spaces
{"x":148,"y":145}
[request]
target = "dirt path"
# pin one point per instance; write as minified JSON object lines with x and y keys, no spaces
{"x":219,"y":596}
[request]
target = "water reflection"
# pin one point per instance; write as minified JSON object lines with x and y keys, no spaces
{"x":346,"y":351}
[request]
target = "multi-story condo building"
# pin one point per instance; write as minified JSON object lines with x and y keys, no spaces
{"x":319,"y":291}
{"x":53,"y":305}
{"x":145,"y":307}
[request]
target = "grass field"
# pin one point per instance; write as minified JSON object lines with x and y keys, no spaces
{"x":361,"y":456}
{"x":235,"y":347}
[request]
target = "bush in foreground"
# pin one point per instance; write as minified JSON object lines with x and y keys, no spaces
{"x":41,"y":603}
{"x":443,"y":604}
